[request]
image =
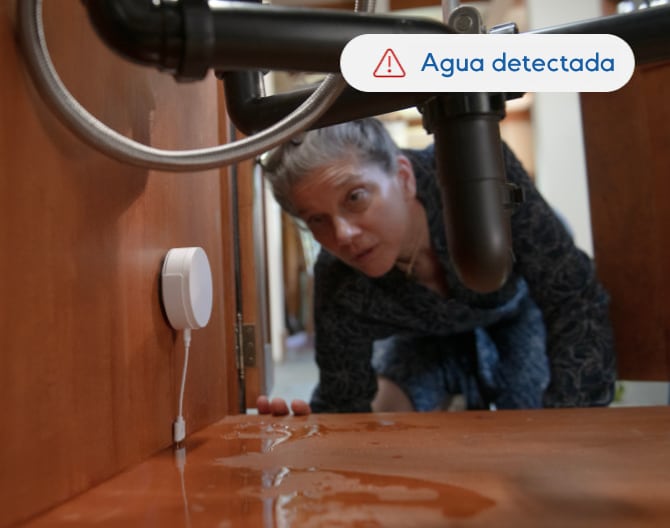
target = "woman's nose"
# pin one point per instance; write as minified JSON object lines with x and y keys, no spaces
{"x":345,"y":231}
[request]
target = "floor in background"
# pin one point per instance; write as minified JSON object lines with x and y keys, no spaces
{"x":642,"y":393}
{"x":297,"y":375}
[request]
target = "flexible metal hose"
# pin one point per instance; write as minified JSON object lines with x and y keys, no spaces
{"x":110,"y":142}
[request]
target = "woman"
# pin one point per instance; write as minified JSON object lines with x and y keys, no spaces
{"x":384,"y":283}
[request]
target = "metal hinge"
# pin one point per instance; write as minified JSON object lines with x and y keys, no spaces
{"x":245,"y":346}
{"x":249,"y":345}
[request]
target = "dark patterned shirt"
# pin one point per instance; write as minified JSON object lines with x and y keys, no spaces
{"x":352,"y":310}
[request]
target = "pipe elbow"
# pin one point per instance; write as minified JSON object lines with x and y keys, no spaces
{"x":483,"y":260}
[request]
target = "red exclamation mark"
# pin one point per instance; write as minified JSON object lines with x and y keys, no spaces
{"x":389,"y":66}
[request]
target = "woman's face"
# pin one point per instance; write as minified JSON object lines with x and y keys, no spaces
{"x":360,"y":214}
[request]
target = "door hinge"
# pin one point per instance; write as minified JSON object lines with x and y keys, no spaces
{"x":249,"y":345}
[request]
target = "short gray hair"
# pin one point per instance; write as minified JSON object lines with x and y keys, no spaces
{"x":365,"y":141}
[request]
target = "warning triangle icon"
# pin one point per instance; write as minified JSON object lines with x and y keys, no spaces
{"x":389,"y":66}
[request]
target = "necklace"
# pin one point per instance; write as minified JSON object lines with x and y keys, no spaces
{"x":419,"y":236}
{"x":412,"y":259}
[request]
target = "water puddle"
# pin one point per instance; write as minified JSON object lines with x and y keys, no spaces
{"x":321,"y":486}
{"x":317,"y":498}
{"x":260,"y":473}
{"x":269,"y":435}
{"x":266,"y":436}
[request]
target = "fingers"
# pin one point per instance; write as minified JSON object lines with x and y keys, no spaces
{"x":279,"y":407}
{"x":300,"y":408}
{"x":263,"y":405}
{"x":276,"y":407}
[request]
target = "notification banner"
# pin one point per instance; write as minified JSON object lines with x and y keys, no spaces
{"x":487,"y":63}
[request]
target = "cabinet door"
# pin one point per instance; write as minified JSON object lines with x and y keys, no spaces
{"x":90,"y":368}
{"x":627,"y":139}
{"x":254,"y":369}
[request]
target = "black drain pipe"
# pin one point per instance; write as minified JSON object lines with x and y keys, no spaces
{"x":188,"y":37}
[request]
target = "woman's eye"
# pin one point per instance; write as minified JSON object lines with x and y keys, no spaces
{"x":314,"y":221}
{"x":358,"y":199}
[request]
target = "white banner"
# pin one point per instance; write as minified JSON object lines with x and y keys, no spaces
{"x":487,"y":63}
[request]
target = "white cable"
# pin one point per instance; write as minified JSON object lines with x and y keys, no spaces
{"x":179,"y":426}
{"x":179,"y":429}
{"x":180,"y":463}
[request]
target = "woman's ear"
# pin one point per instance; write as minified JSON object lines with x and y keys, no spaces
{"x":406,"y":176}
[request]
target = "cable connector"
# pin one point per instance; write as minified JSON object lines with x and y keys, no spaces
{"x":179,"y":425}
{"x":179,"y":430}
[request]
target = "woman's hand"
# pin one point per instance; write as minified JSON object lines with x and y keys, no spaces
{"x":278,"y":407}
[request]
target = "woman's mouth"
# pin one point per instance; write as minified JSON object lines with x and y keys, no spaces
{"x":362,"y":256}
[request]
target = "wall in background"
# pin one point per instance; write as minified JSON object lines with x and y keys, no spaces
{"x":559,"y":145}
{"x":628,"y":155}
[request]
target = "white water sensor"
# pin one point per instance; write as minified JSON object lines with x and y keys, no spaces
{"x":186,"y":282}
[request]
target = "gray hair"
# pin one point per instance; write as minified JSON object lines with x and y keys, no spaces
{"x":365,"y":141}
